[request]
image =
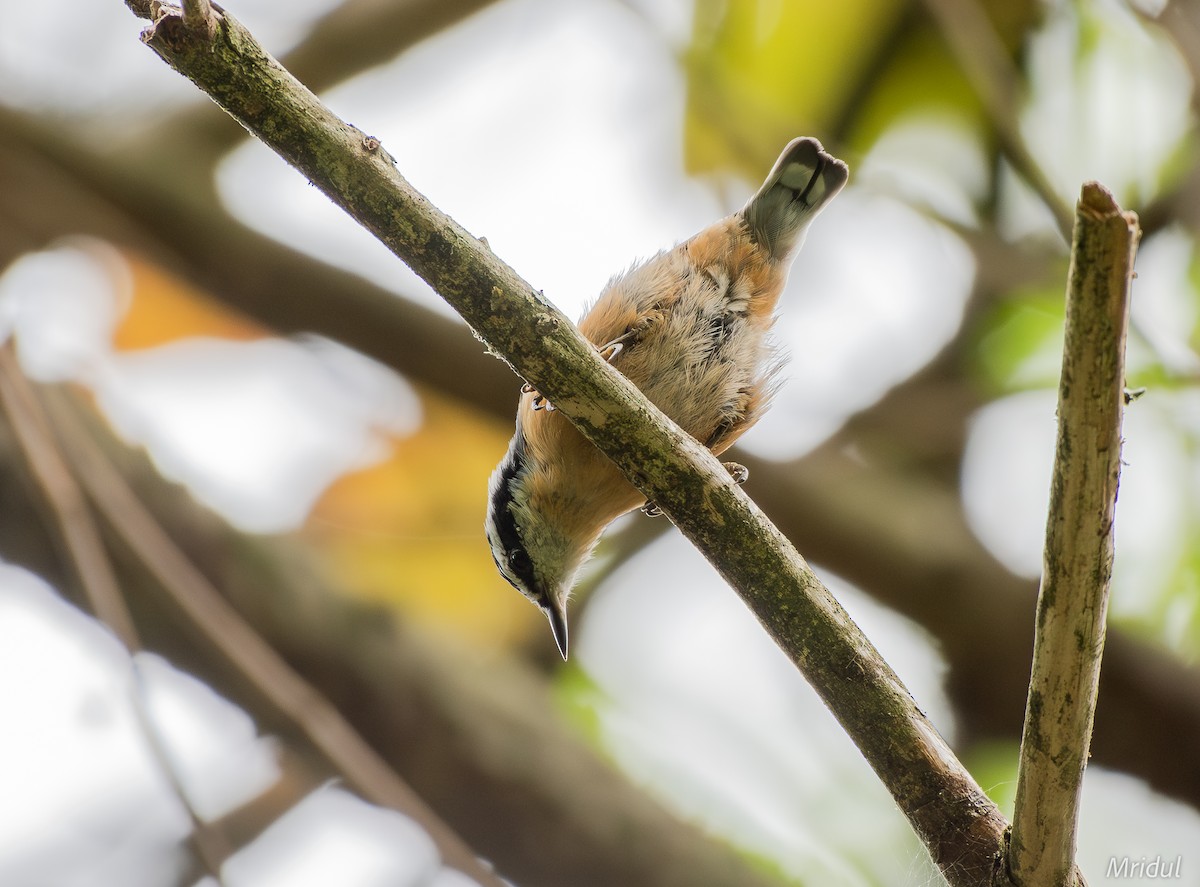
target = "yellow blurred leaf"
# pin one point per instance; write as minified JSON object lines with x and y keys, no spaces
{"x":763,"y":71}
{"x":409,"y":531}
{"x":760,"y":72}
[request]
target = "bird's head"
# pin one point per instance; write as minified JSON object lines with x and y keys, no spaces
{"x":535,"y":534}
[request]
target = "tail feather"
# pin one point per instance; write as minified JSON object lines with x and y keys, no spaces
{"x":804,"y":179}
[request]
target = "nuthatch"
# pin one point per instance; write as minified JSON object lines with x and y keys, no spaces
{"x":689,"y":327}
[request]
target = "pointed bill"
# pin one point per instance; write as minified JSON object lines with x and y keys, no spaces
{"x":558,"y":625}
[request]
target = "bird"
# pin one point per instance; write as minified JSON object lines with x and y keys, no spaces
{"x":690,"y":327}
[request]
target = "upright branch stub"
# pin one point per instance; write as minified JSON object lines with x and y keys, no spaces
{"x":1077,"y":562}
{"x":198,"y":16}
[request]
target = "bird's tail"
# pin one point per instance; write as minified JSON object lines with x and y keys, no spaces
{"x":804,"y":179}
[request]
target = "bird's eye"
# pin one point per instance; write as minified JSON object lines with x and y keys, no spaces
{"x":517,"y":558}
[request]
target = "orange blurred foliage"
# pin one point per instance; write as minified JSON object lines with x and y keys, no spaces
{"x":407,"y":531}
{"x":165,"y":308}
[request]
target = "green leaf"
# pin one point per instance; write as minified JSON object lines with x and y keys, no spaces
{"x":1020,"y":341}
{"x":994,"y":766}
{"x":580,"y":698}
{"x":760,"y":72}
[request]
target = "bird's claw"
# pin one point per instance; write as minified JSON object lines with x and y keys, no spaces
{"x":539,"y":400}
{"x":651,"y":510}
{"x":1132,"y":394}
{"x":629,"y":337}
{"x":612,"y":349}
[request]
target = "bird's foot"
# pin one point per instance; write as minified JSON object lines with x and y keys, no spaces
{"x":539,"y":399}
{"x":629,"y":337}
{"x":612,"y":349}
{"x":740,"y":473}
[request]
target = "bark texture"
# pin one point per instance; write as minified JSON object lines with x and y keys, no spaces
{"x":1077,"y":564}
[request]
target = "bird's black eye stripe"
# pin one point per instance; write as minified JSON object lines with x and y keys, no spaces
{"x":519,"y":564}
{"x":502,"y":497}
{"x":522,"y":567}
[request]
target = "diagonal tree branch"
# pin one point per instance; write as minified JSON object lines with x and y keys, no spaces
{"x":1073,"y":602}
{"x":351,"y":38}
{"x":958,"y":823}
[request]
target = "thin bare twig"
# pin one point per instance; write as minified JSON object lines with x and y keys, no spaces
{"x":85,"y":549}
{"x":1077,"y":566}
{"x":208,"y":840}
{"x":94,"y":572}
{"x":1181,"y":21}
{"x":363,"y":768}
{"x":988,"y":68}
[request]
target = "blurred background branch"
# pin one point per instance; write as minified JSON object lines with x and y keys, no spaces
{"x":93,"y":574}
{"x":988,"y":66}
{"x":444,"y":717}
{"x":244,"y":650}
